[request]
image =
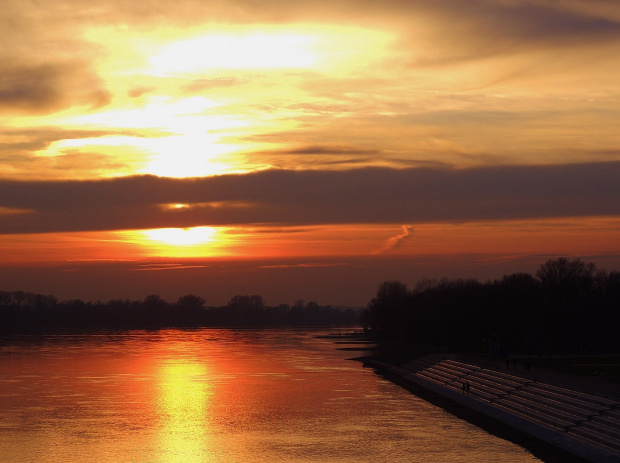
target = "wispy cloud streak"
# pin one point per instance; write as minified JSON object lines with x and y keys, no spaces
{"x":395,"y":241}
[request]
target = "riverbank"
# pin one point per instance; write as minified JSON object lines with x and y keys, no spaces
{"x":547,"y":444}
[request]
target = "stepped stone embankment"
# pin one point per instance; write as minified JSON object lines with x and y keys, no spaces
{"x":533,"y":409}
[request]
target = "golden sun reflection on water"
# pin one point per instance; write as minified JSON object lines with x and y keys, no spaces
{"x":183,"y":410}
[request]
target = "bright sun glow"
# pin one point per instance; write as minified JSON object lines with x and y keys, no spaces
{"x":189,"y":155}
{"x":177,"y":111}
{"x":233,"y":52}
{"x":182,"y":236}
{"x":159,"y":112}
{"x":185,"y":140}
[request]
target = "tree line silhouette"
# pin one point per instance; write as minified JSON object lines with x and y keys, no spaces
{"x":568,"y":306}
{"x":24,"y":312}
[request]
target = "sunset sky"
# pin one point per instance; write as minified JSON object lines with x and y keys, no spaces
{"x":303,"y":150}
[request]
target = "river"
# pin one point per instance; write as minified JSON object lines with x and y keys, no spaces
{"x":215,"y":395}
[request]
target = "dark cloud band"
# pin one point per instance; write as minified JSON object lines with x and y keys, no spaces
{"x":282,"y":197}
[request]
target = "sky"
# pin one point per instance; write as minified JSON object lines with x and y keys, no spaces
{"x":303,"y":150}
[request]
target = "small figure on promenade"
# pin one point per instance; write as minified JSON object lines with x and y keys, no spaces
{"x":467,"y":387}
{"x":464,"y":388}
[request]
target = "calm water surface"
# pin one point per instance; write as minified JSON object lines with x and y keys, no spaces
{"x":217,"y":396}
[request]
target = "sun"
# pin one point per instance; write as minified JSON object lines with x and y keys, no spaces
{"x":182,"y":237}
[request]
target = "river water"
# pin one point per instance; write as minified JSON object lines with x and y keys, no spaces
{"x":217,"y":396}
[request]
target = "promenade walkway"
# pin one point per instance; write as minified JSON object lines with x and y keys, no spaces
{"x":580,"y":418}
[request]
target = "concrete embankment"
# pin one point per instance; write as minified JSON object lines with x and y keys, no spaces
{"x":543,"y":441}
